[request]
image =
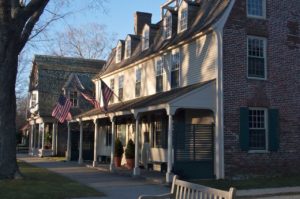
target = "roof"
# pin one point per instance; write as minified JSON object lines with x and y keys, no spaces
{"x":151,"y":100}
{"x":208,"y":12}
{"x":61,"y":63}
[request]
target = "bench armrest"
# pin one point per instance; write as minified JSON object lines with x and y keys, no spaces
{"x":163,"y":196}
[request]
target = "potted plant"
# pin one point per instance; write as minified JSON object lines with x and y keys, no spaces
{"x":129,"y":154}
{"x":118,"y":152}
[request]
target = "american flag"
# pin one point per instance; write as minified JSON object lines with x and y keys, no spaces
{"x":62,"y":108}
{"x":106,"y":94}
{"x":90,"y":98}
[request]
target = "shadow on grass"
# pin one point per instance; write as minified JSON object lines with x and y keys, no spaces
{"x":39,"y":183}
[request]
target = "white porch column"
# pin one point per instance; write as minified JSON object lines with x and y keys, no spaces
{"x":43,"y":136}
{"x":80,"y":160}
{"x":136,"y":170}
{"x":39,"y":137}
{"x":169,"y":174}
{"x":95,"y":142}
{"x":69,"y":143}
{"x":111,"y":168}
{"x":31,"y":140}
{"x":54,"y":132}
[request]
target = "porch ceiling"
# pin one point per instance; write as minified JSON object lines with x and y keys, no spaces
{"x":185,"y":97}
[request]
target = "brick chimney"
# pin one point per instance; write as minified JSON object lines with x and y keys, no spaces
{"x":140,"y":19}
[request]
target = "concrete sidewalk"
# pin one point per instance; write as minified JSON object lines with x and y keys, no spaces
{"x":114,"y":186}
{"x":118,"y":186}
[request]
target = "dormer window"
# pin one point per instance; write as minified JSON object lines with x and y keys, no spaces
{"x":128,"y":48}
{"x":119,"y":53}
{"x":73,"y":96}
{"x":168,"y":26}
{"x":183,"y":19}
{"x":145,"y":39}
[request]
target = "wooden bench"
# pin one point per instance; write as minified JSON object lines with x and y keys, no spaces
{"x":186,"y":190}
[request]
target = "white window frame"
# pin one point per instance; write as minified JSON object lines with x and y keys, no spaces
{"x":257,"y":16}
{"x":121,"y":76}
{"x":179,"y":70}
{"x":180,"y":21}
{"x":33,"y":103}
{"x":266,"y":129}
{"x":72,"y":99}
{"x":119,"y":52}
{"x":168,"y":26}
{"x":112,"y":87}
{"x":146,"y":38}
{"x":265,"y":57}
{"x":127,"y":48}
{"x":159,"y":74}
{"x":138,"y":81}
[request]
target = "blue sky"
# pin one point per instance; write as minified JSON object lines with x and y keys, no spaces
{"x":119,"y":16}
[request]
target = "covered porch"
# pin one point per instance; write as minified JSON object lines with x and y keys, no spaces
{"x":173,"y":132}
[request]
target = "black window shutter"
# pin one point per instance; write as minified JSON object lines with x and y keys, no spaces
{"x":273,"y":126}
{"x":244,"y":128}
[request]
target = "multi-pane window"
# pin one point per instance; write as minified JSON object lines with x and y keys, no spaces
{"x":145,"y":39}
{"x":257,"y":129}
{"x":128,"y":48}
{"x":159,"y":137}
{"x":256,"y":57}
{"x":121,"y":85}
{"x":256,"y":8}
{"x":112,"y":87}
{"x":183,"y":19}
{"x":168,"y":26}
{"x":74,"y":98}
{"x":159,"y":75}
{"x":138,"y":78}
{"x":33,"y":100}
{"x":175,"y":66}
{"x":119,"y":53}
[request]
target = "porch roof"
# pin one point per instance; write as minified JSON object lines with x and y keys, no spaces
{"x":151,"y":100}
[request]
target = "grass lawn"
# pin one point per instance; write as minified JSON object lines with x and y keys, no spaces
{"x":39,"y":183}
{"x":252,"y":183}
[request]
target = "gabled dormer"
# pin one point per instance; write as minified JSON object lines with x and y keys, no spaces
{"x":186,"y":13}
{"x":146,"y":37}
{"x":119,"y":51}
{"x":169,"y":23}
{"x":131,"y":42}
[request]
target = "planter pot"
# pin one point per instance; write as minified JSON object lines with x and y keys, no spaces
{"x":117,"y":161}
{"x":130,"y":163}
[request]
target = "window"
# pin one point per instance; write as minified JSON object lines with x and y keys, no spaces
{"x":256,"y":57}
{"x":119,"y":53}
{"x":112,"y":87}
{"x":175,"y":66}
{"x":121,"y":133}
{"x":121,"y":84}
{"x":108,"y":136}
{"x":159,"y":75}
{"x":159,"y":139}
{"x":33,"y":100}
{"x":168,"y":26}
{"x":256,"y":8}
{"x":145,"y":39}
{"x":138,"y":76}
{"x":74,"y":98}
{"x":128,"y":48}
{"x":183,"y":19}
{"x":257,"y":129}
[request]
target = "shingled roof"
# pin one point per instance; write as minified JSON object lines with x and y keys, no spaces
{"x":151,"y":100}
{"x":208,"y":12}
{"x":50,"y":74}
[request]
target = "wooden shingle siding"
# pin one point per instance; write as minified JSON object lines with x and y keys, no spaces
{"x":199,"y":60}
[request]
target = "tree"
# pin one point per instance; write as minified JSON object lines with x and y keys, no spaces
{"x":18,"y":24}
{"x":90,"y":41}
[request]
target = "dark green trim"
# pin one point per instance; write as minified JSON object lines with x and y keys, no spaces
{"x":244,"y":128}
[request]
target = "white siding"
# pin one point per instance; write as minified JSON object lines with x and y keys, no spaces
{"x":198,"y":63}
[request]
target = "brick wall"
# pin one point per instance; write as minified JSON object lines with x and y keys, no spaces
{"x":281,"y":89}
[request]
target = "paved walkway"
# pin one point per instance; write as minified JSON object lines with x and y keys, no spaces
{"x":121,"y":185}
{"x":114,"y":186}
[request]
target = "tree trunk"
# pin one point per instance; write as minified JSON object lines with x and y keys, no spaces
{"x":8,"y":71}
